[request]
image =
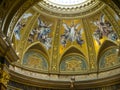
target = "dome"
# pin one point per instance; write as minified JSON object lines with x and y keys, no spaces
{"x":67,"y":2}
{"x":70,"y":41}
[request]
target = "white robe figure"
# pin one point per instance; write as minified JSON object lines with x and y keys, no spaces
{"x":71,"y":31}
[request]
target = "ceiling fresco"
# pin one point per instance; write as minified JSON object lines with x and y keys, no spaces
{"x":109,"y":58}
{"x":102,"y":30}
{"x":34,"y":59}
{"x":60,"y":39}
{"x":72,"y":34}
{"x":21,"y":24}
{"x":60,"y":44}
{"x":41,"y":33}
{"x":73,"y":63}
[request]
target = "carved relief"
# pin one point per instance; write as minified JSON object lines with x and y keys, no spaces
{"x":76,"y":12}
{"x":4,"y":77}
{"x":92,"y":64}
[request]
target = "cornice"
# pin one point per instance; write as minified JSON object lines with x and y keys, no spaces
{"x":37,"y":82}
{"x":65,"y":77}
{"x":64,"y":84}
{"x":6,"y":49}
{"x":69,"y":15}
{"x":68,"y":9}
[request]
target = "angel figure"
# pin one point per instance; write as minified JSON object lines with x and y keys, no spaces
{"x":20,"y":25}
{"x":71,"y":33}
{"x":43,"y":33}
{"x":32,"y":35}
{"x":47,"y":43}
{"x":79,"y":37}
{"x":44,"y":29}
{"x":104,"y":30}
{"x":63,"y":40}
{"x":17,"y":29}
{"x":101,"y":24}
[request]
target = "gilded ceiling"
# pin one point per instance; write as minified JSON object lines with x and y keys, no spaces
{"x":74,"y":10}
{"x":66,"y":39}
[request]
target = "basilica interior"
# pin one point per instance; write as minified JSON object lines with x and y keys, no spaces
{"x":59,"y":45}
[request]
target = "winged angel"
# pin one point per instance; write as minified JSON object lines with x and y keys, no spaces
{"x":20,"y":25}
{"x":104,"y":29}
{"x":41,"y":33}
{"x":72,"y":34}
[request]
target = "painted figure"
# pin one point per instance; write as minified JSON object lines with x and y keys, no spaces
{"x":72,"y":34}
{"x":104,"y":29}
{"x":20,"y":25}
{"x":17,"y":29}
{"x":41,"y":33}
{"x":33,"y":35}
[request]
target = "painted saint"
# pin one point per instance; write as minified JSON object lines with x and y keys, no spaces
{"x":20,"y":25}
{"x":41,"y":33}
{"x":72,"y":34}
{"x":104,"y":29}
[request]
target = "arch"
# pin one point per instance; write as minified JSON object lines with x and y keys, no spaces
{"x":109,"y":58}
{"x":73,"y":62}
{"x":72,"y":54}
{"x":107,"y":44}
{"x":72,"y":49}
{"x":36,"y":45}
{"x":35,"y":59}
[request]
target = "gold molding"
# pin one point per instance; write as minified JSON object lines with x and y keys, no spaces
{"x":4,"y":78}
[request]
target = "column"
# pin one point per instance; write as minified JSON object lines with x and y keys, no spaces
{"x":4,"y":75}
